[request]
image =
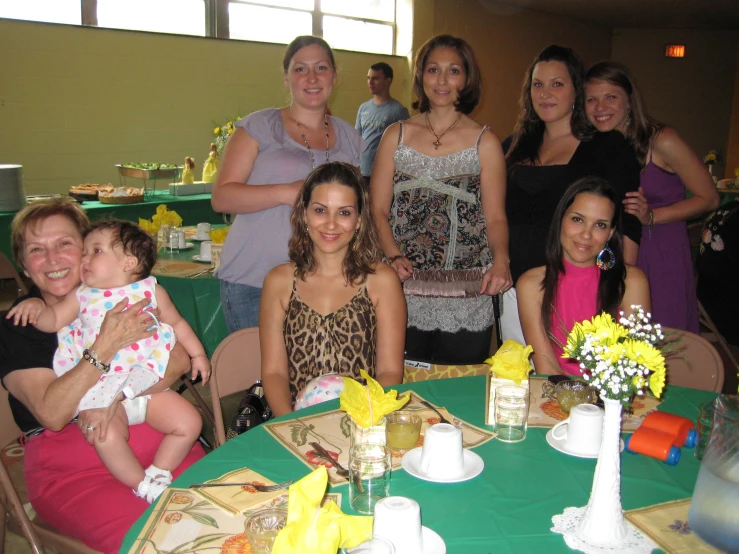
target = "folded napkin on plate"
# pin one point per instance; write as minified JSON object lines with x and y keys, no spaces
{"x":238,"y":499}
{"x":368,"y":405}
{"x":511,"y":361}
{"x":218,"y":236}
{"x":312,"y":528}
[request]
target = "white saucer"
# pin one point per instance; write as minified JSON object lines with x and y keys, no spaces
{"x":432,"y":542}
{"x":187,"y":246}
{"x":197,"y":258}
{"x":200,"y":239}
{"x":473,"y":465}
{"x":560,"y":444}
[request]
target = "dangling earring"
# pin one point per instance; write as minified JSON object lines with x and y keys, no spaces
{"x":355,"y":246}
{"x":628,"y":117}
{"x":608,"y":264}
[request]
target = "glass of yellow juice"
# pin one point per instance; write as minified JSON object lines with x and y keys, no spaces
{"x":402,"y":431}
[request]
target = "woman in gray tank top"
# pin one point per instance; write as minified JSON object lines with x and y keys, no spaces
{"x":264,"y":164}
{"x":438,"y":199}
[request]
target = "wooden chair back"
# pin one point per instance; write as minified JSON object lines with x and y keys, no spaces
{"x":236,"y":365}
{"x":38,"y":533}
{"x":696,"y":364}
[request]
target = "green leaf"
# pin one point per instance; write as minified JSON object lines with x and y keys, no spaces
{"x":205,"y":519}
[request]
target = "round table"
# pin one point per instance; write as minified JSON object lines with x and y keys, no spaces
{"x":508,"y":508}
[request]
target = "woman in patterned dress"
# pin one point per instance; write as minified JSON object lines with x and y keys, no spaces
{"x":438,"y":196}
{"x":336,"y":308}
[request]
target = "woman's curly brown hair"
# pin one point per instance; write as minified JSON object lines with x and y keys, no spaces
{"x":364,"y":251}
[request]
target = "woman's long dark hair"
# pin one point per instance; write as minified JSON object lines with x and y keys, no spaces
{"x":640,"y":128}
{"x":529,"y":131}
{"x":612,"y":283}
{"x":363,"y":252}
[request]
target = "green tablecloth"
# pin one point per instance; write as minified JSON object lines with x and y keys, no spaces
{"x":193,"y":210}
{"x":508,"y":508}
{"x":197,"y":299}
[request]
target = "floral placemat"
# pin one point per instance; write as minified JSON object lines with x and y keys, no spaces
{"x":667,"y":524}
{"x":546,"y":413}
{"x":238,"y":499}
{"x":184,"y":522}
{"x":332,"y":430}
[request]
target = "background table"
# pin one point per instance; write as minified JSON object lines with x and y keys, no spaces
{"x":192,"y":209}
{"x":198,"y":299}
{"x":507,"y":509}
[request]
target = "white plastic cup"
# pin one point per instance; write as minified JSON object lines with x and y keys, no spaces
{"x":181,"y":240}
{"x":442,"y":452}
{"x":583,"y":431}
{"x":205,"y":250}
{"x":203,"y":230}
{"x":398,"y":519}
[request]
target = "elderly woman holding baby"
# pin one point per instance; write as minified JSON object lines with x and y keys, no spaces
{"x":68,"y":485}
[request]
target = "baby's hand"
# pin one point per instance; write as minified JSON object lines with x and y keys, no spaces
{"x":27,"y":311}
{"x":201,"y":365}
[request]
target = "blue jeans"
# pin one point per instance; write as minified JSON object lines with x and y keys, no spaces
{"x":240,"y":305}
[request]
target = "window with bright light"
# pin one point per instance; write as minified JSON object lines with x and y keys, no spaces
{"x":360,"y":25}
{"x":48,"y":11}
{"x":259,"y":23}
{"x":183,"y":17}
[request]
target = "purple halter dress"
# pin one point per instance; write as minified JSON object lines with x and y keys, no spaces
{"x":665,"y":255}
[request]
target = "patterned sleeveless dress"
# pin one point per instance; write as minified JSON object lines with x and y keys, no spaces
{"x":438,"y":224}
{"x":341,"y":342}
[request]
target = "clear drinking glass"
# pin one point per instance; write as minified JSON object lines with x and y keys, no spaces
{"x":367,"y":545}
{"x":511,"y":413}
{"x":369,"y":476}
{"x":703,"y":426}
{"x":402,"y":431}
{"x":261,"y":528}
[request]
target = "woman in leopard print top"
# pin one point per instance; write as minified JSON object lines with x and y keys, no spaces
{"x":336,"y":308}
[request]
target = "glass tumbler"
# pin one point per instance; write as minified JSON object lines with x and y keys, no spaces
{"x":261,"y":528}
{"x":369,"y":476}
{"x":511,"y":413}
{"x":703,"y":426}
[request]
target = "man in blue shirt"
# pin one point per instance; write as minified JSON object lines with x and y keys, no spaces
{"x":376,"y":115}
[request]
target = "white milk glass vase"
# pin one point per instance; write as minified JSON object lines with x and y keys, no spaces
{"x":603,"y":518}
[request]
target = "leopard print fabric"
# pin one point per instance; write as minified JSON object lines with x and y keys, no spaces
{"x":342,"y":342}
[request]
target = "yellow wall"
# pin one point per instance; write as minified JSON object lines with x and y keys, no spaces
{"x":692,"y":94}
{"x":75,"y":101}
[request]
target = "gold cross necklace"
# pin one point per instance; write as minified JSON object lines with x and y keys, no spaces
{"x":437,"y":142}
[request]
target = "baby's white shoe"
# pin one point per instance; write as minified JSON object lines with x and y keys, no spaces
{"x":155,"y":482}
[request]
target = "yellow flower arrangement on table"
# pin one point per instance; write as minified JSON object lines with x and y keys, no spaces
{"x":163,"y":216}
{"x":218,"y":236}
{"x":710,"y":158}
{"x":619,"y":359}
{"x":222,"y":133}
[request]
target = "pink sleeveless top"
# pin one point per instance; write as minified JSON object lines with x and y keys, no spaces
{"x":575,"y":301}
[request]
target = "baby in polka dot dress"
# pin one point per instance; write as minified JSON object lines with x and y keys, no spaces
{"x":116,"y":265}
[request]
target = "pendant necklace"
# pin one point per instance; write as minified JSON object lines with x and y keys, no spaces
{"x":305,"y":140}
{"x":437,"y":142}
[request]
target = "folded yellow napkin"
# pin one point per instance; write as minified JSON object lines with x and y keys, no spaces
{"x":238,"y":499}
{"x":218,"y":236}
{"x":368,"y":405}
{"x":312,"y":528}
{"x":511,"y":361}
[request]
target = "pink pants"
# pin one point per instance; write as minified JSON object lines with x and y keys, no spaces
{"x":71,"y":489}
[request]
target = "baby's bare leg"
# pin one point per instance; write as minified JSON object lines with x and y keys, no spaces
{"x":180,"y":422}
{"x":116,"y":453}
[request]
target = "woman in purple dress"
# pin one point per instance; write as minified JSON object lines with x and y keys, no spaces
{"x":670,"y":168}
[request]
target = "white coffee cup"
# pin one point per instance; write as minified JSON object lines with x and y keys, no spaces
{"x":583,"y":430}
{"x":398,"y":519}
{"x":205,"y":247}
{"x":203,"y":230}
{"x":442,"y":451}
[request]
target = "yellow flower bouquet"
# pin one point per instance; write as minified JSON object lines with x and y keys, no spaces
{"x":221,"y":133}
{"x":710,"y":158}
{"x":163,"y":216}
{"x":619,"y":359}
{"x":218,"y":236}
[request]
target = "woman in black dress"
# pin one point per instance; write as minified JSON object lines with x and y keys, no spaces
{"x":553,"y":145}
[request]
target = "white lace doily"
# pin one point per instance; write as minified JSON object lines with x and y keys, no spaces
{"x":567,"y":523}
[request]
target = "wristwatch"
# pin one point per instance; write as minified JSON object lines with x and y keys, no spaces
{"x":90,"y":355}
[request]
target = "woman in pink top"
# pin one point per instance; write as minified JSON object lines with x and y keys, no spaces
{"x":585,"y":274}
